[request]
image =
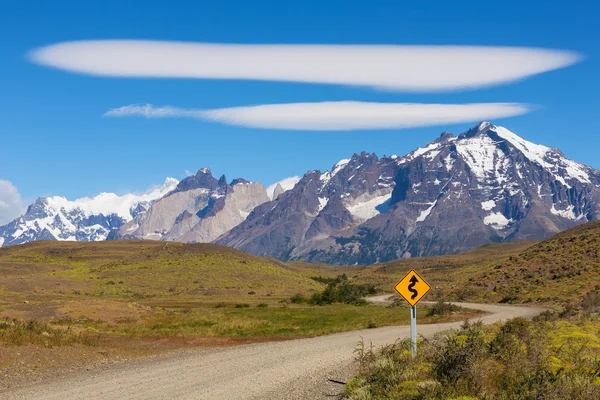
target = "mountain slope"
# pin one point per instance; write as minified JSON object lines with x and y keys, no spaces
{"x":455,"y":194}
{"x":319,"y":205}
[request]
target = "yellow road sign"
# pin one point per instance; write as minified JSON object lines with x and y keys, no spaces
{"x":412,"y":287}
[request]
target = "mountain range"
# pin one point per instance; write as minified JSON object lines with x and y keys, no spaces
{"x":456,"y":193}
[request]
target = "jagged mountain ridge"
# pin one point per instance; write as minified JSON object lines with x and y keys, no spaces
{"x":199,"y":209}
{"x":456,"y":193}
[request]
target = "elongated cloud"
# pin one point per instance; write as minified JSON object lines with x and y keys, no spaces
{"x":334,"y":116}
{"x":407,"y":68}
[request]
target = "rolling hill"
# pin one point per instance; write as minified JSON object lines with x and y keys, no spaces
{"x":140,"y":269}
{"x":557,"y":271}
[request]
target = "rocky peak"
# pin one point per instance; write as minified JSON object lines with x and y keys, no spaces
{"x":277,"y":191}
{"x":364,"y":157}
{"x":445,"y":136}
{"x":202,"y":179}
{"x":37,"y":209}
{"x":482,"y":129}
{"x":239,"y":181}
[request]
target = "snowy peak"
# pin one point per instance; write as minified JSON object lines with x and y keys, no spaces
{"x":85,"y":219}
{"x":107,"y":203}
{"x":552,"y":160}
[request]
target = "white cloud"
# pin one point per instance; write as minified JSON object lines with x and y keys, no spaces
{"x":407,"y":68}
{"x":335,"y":116}
{"x":11,"y":204}
{"x":286,"y":184}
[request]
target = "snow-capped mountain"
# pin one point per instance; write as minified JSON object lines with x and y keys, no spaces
{"x":199,"y":209}
{"x":456,"y":193}
{"x":85,"y":219}
{"x":319,"y":207}
{"x":486,"y":185}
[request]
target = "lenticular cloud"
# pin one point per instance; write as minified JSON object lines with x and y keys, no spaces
{"x":400,"y":68}
{"x":334,"y":116}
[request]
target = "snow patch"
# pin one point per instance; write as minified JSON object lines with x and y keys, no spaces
{"x":244,"y":214}
{"x":420,"y":151}
{"x":339,"y":166}
{"x":496,"y":220}
{"x":488,"y":205}
{"x":432,"y":154}
{"x":568,"y":213}
{"x":449,"y":162}
{"x":322,"y":202}
{"x":369,"y":208}
{"x":424,"y":214}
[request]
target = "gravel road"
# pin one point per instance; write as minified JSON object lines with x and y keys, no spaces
{"x":295,"y":369}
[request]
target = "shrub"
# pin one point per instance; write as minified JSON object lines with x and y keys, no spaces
{"x":590,"y":304}
{"x":443,"y":309}
{"x":298,"y":298}
{"x":242,"y":305}
{"x":327,"y":281}
{"x":344,"y":292}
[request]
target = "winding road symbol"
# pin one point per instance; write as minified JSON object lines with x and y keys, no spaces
{"x":412,"y":287}
{"x":413,"y":281}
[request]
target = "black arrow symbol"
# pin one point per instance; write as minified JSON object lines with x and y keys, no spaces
{"x":413,"y":281}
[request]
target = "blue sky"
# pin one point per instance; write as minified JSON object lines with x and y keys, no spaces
{"x":55,"y":140}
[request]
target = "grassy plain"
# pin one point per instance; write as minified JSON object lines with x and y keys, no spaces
{"x":68,"y":304}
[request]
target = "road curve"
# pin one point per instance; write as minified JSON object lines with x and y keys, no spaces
{"x":294,"y":369}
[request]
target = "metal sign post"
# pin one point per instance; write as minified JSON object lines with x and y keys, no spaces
{"x":413,"y":288}
{"x":413,"y":331}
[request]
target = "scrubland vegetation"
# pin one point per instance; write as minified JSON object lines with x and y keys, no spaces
{"x":554,"y":357}
{"x":17,"y":333}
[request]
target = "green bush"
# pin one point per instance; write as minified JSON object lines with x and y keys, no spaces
{"x":344,"y":292}
{"x":327,"y":281}
{"x":443,"y":309}
{"x":298,"y":298}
